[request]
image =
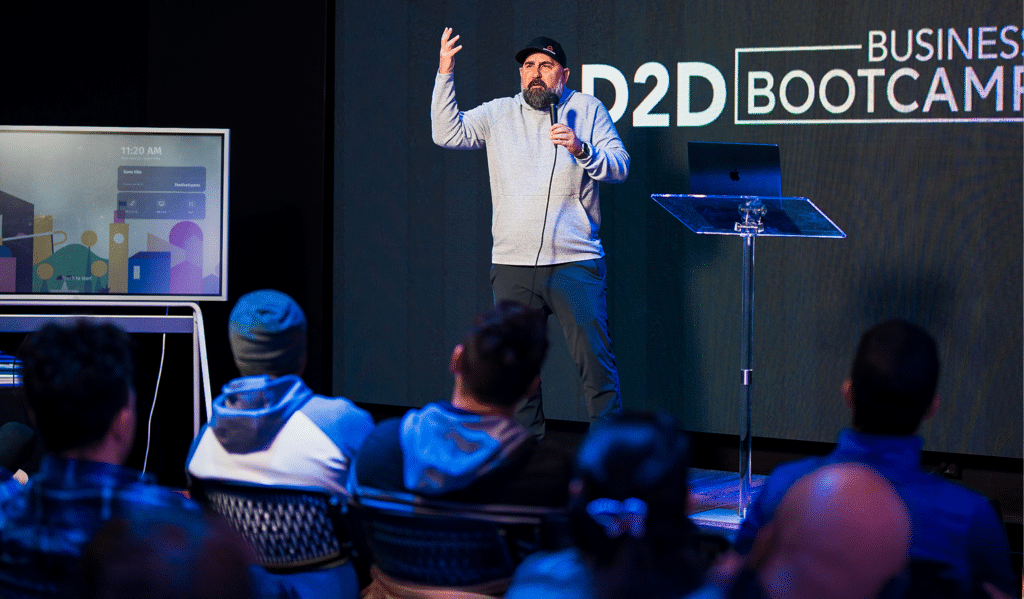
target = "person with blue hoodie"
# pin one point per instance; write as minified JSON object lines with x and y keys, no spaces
{"x":471,"y":449}
{"x":269,"y":428}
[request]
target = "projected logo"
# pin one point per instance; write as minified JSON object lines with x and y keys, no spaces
{"x":899,"y":76}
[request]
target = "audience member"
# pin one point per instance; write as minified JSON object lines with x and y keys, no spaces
{"x":166,"y":556}
{"x":840,"y":532}
{"x":628,"y":511}
{"x":269,"y":428}
{"x":79,"y":387}
{"x":891,"y":389}
{"x":471,"y":449}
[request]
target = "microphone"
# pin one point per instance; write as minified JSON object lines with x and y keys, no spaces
{"x":552,"y":100}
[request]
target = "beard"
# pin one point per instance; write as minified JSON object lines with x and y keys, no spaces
{"x":537,"y":96}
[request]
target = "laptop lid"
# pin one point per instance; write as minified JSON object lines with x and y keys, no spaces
{"x":734,"y":169}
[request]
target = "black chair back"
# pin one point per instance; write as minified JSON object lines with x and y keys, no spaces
{"x":290,"y":529}
{"x":447,"y":544}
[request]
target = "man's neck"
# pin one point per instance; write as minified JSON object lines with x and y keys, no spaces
{"x":101,"y":452}
{"x":859,"y":430}
{"x":464,"y":400}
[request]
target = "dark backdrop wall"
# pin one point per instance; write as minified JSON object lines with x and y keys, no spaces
{"x":923,"y":171}
{"x":391,"y":271}
{"x":247,"y":66}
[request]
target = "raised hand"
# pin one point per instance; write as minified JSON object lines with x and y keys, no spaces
{"x":448,"y":51}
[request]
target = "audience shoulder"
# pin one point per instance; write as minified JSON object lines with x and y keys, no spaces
{"x":785,"y":475}
{"x":380,"y":461}
{"x":770,"y":496}
{"x":552,"y":575}
{"x":341,"y":420}
{"x":152,"y":495}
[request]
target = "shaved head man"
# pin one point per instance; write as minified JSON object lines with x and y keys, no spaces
{"x":840,"y":532}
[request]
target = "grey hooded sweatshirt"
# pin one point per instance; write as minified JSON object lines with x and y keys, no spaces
{"x":520,"y":155}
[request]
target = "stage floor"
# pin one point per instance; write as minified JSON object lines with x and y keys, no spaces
{"x":715,"y":498}
{"x":714,"y":494}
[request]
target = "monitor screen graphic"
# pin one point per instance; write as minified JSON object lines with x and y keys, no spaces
{"x":122,"y":214}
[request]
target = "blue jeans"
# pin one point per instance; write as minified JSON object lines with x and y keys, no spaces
{"x":576,"y":293}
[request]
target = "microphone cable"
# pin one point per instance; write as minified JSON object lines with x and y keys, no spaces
{"x":552,"y":102}
{"x":543,"y":227}
{"x":152,"y":409}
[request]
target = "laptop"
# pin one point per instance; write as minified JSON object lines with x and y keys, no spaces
{"x":734,"y":169}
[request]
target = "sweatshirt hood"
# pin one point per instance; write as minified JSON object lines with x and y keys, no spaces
{"x":446,"y":449}
{"x":251,"y":410}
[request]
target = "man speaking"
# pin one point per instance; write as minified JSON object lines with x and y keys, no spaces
{"x":547,"y":148}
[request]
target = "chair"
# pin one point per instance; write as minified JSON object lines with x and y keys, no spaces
{"x":446,"y":544}
{"x":290,"y":529}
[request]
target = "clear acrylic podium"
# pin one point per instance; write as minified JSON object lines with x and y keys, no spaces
{"x":749,"y":217}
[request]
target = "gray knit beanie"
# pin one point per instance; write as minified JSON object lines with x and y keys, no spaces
{"x":267,"y":330}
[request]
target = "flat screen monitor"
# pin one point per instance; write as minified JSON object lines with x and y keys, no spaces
{"x":89,"y":213}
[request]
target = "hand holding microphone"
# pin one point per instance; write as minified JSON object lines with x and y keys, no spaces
{"x":562,"y":135}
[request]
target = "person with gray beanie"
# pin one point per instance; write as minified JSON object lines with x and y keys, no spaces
{"x":269,"y":428}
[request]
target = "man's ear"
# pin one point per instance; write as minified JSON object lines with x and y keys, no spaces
{"x":455,"y":364}
{"x":932,"y":409}
{"x":565,"y":76}
{"x":122,"y":428}
{"x":848,"y":393}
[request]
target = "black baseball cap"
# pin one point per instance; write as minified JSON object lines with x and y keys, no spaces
{"x":545,"y":45}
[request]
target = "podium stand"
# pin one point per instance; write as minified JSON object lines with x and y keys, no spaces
{"x":749,"y":217}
